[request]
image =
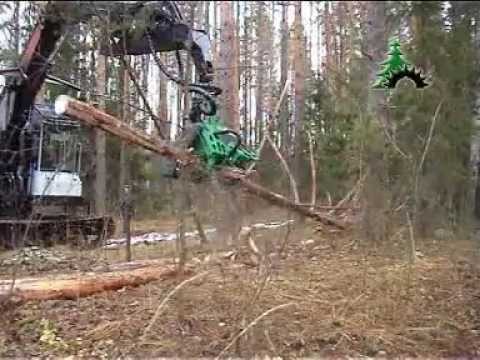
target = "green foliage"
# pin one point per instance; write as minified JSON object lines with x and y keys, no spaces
{"x":349,"y":139}
{"x":332,"y":128}
{"x":449,"y":58}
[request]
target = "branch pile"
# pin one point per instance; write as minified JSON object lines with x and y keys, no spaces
{"x":94,"y":117}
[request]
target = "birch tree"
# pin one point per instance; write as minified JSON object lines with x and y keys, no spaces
{"x":284,"y":64}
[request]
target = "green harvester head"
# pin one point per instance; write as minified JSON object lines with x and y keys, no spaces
{"x":218,"y":146}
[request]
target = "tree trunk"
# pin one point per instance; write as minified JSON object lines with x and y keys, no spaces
{"x":98,"y":119}
{"x":375,"y":220}
{"x":227,"y":76}
{"x":215,"y":32}
{"x":163,"y":104}
{"x":376,"y":45}
{"x":144,"y":70}
{"x":282,"y":201}
{"x":74,"y":286}
{"x":100,"y":142}
{"x":246,"y":74}
{"x":181,"y":208}
{"x":475,"y":140}
{"x":124,"y":162}
{"x":328,"y":35}
{"x":284,"y":117}
{"x":16,"y":28}
{"x":299,"y":86}
{"x":180,"y":122}
{"x":127,"y":212}
{"x":230,"y":218}
{"x":237,"y":45}
{"x":189,"y":68}
{"x":260,"y":28}
{"x":124,"y":177}
{"x":206,"y":16}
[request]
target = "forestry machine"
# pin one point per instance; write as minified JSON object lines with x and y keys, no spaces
{"x":41,"y":194}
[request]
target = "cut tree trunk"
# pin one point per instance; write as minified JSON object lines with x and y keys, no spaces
{"x":280,"y":200}
{"x":93,"y":117}
{"x":96,"y":118}
{"x":77,"y":285}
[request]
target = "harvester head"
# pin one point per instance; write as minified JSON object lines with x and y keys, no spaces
{"x":218,"y":146}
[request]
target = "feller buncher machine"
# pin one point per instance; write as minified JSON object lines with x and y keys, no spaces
{"x":41,"y":188}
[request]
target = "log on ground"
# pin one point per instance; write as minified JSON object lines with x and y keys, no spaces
{"x":77,"y":285}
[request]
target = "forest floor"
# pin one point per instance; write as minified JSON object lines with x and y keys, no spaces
{"x":340,"y":297}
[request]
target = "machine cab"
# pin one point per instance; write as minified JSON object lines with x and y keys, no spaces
{"x":55,"y":172}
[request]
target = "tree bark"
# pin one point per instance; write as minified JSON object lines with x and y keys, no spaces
{"x":189,"y":67}
{"x":376,"y":43}
{"x":100,"y":142}
{"x":313,"y":170}
{"x":144,"y":70}
{"x":215,"y":32}
{"x":127,"y":212}
{"x":16,"y":28}
{"x":124,"y":163}
{"x":230,"y":217}
{"x":228,"y":74}
{"x":375,"y":220}
{"x":260,"y":70}
{"x":475,"y":139}
{"x":124,"y":177}
{"x":328,"y":35}
{"x":284,"y":117}
{"x":206,"y":14}
{"x":299,"y":86}
{"x":246,"y":74}
{"x":74,"y":286}
{"x":98,"y":119}
{"x":180,"y":240}
{"x":163,"y":104}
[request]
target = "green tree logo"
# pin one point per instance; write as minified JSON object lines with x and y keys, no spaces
{"x":395,"y":68}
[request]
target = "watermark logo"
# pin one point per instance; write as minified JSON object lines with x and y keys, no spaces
{"x":397,"y":67}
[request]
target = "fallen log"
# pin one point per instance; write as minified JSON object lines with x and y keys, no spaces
{"x":94,"y":117}
{"x":77,"y":285}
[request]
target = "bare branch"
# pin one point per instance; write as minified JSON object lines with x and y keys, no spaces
{"x":286,"y":168}
{"x":162,"y":304}
{"x":430,"y":135}
{"x":253,"y":323}
{"x":156,"y":120}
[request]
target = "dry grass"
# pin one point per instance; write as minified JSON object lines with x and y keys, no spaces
{"x":348,"y":302}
